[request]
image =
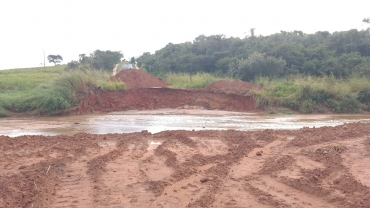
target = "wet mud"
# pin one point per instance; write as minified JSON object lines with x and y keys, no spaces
{"x":308,"y":167}
{"x":154,"y":121}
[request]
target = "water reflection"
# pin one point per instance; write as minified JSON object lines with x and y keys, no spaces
{"x":156,"y":121}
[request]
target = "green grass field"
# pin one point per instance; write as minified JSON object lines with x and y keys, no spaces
{"x":18,"y":83}
{"x":28,"y":78}
{"x":48,"y":90}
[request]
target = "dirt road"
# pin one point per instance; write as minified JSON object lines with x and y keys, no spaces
{"x":310,"y":167}
{"x":115,"y":70}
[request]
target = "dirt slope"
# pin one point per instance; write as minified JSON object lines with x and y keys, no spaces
{"x":322,"y":167}
{"x":155,"y":98}
{"x":149,"y":92}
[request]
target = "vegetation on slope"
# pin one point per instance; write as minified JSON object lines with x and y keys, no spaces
{"x":308,"y":94}
{"x":46,"y":92}
{"x":15,"y":83}
{"x":185,"y":80}
{"x":28,"y":78}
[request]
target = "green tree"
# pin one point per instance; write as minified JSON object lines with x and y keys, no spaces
{"x":132,"y":60}
{"x":72,"y":65}
{"x":83,"y":58}
{"x":56,"y":59}
{"x":312,"y":54}
{"x":101,"y":60}
{"x":258,"y":65}
{"x":105,"y":60}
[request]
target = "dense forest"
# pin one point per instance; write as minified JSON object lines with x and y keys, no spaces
{"x":339,"y":54}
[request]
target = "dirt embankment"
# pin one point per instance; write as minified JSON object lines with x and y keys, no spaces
{"x":155,"y":98}
{"x":322,"y":167}
{"x":146,"y":91}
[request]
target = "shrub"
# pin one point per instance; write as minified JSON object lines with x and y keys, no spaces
{"x":347,"y":104}
{"x":320,"y":96}
{"x":304,"y":93}
{"x":315,"y":94}
{"x":307,"y":106}
{"x":364,"y":95}
{"x":289,"y":102}
{"x":2,"y":112}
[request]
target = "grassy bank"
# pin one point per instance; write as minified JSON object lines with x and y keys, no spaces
{"x":184,"y":80}
{"x":315,"y":94}
{"x":17,"y":83}
{"x":49,"y":90}
{"x":28,"y":78}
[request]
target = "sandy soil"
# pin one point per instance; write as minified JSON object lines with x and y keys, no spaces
{"x":310,"y":167}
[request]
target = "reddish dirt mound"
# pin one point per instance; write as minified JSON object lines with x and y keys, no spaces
{"x":134,"y":78}
{"x":232,"y":87}
{"x":155,"y":98}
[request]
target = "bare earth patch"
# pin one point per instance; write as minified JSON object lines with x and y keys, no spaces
{"x":309,"y":167}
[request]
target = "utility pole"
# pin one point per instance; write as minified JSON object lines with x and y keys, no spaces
{"x":44,"y":58}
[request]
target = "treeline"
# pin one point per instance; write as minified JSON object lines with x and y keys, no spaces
{"x":100,"y":60}
{"x":340,"y":54}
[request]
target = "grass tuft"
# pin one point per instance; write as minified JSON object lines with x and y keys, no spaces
{"x":183,"y":80}
{"x":109,"y":86}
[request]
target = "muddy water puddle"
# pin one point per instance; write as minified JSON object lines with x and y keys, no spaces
{"x":168,"y":119}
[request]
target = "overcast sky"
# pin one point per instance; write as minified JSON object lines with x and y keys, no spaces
{"x":72,"y":27}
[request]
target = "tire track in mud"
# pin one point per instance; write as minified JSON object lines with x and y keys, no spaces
{"x":116,"y":175}
{"x":214,"y":176}
{"x":74,"y":187}
{"x":189,"y":169}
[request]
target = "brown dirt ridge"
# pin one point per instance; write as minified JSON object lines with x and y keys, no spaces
{"x":156,"y":98}
{"x":146,"y":91}
{"x":268,"y":168}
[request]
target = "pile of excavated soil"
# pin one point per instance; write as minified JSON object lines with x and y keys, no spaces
{"x":310,"y":167}
{"x":134,"y":78}
{"x":232,"y":87}
{"x":156,"y":98}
